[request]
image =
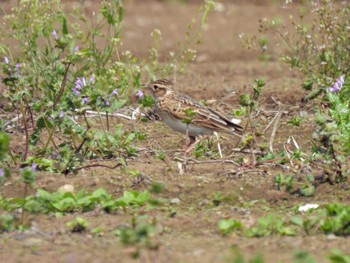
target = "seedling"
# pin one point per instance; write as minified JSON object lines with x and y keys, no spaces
{"x":77,"y":225}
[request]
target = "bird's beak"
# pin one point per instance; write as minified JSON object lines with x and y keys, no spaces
{"x":144,"y":86}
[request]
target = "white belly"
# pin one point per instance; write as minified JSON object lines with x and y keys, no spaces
{"x":180,"y":126}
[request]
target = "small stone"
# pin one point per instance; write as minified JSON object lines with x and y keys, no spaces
{"x":95,"y":181}
{"x":203,"y":202}
{"x":175,"y":201}
{"x":66,"y":188}
{"x":303,"y":113}
{"x":331,"y":237}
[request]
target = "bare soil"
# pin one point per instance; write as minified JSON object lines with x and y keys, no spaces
{"x":191,"y":235}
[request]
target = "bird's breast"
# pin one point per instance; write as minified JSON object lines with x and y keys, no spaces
{"x":180,"y":126}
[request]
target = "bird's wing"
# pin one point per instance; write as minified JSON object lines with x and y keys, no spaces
{"x":183,"y":107}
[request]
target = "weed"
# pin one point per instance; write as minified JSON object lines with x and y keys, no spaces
{"x":8,"y":222}
{"x":59,"y":74}
{"x":337,"y":220}
{"x":227,"y":226}
{"x":296,"y":120}
{"x":270,"y":225}
{"x":157,"y":187}
{"x":4,"y":148}
{"x":319,"y":49}
{"x":338,"y":256}
{"x":332,"y":138}
{"x":77,"y":225}
{"x":301,"y":256}
{"x":285,"y":181}
{"x":140,"y":234}
{"x":238,"y":257}
{"x":66,"y":202}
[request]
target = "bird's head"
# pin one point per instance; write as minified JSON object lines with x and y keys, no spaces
{"x":160,"y":87}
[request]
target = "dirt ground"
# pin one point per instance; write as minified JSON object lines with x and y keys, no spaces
{"x":192,"y":234}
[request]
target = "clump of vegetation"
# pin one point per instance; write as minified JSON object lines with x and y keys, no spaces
{"x":332,"y":218}
{"x":317,"y":45}
{"x":60,"y":75}
{"x":77,"y":225}
{"x":60,"y":203}
{"x":140,"y":234}
{"x":4,"y":148}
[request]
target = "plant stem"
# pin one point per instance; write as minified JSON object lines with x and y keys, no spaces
{"x":50,"y":137}
{"x":86,"y":121}
{"x":24,"y":118}
{"x":107,"y":120}
{"x":24,"y":202}
{"x":63,"y":85}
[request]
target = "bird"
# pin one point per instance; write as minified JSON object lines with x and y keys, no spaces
{"x":186,"y":115}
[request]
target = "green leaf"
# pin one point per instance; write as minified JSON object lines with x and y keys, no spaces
{"x":108,"y":15}
{"x":64,"y":26}
{"x":297,"y":220}
{"x":227,"y":226}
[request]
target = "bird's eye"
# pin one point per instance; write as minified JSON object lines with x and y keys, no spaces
{"x":155,"y":87}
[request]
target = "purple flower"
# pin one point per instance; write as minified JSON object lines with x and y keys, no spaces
{"x":2,"y":172}
{"x":34,"y":166}
{"x":61,"y":115}
{"x":76,"y":49}
{"x":17,"y":66}
{"x":76,"y":91}
{"x":54,"y":34}
{"x":92,"y":79}
{"x":338,"y":85}
{"x":85,"y":100}
{"x":140,"y":94}
{"x":84,"y":81}
{"x":6,"y":60}
{"x":80,"y":83}
{"x":114,"y":92}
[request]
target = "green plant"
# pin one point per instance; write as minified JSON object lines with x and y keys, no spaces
{"x":308,"y":188}
{"x":270,"y":225}
{"x":4,"y":148}
{"x":59,"y":73}
{"x":249,"y":104}
{"x":238,"y":257}
{"x":28,"y":176}
{"x":307,"y":224}
{"x":77,"y":225}
{"x":337,"y":220}
{"x":332,"y":138}
{"x":9,"y":222}
{"x":296,"y":120}
{"x":140,"y":233}
{"x":227,"y":226}
{"x":338,"y":256}
{"x":300,"y":256}
{"x":317,"y":47}
{"x":204,"y":149}
{"x":285,"y":181}
{"x":66,"y":202}
{"x":65,"y":69}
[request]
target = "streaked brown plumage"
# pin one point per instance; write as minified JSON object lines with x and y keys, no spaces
{"x":172,"y":107}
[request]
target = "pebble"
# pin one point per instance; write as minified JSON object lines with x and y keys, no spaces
{"x":175,"y":201}
{"x":66,"y":188}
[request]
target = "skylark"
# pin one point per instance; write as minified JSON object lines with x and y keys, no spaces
{"x":186,"y":115}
